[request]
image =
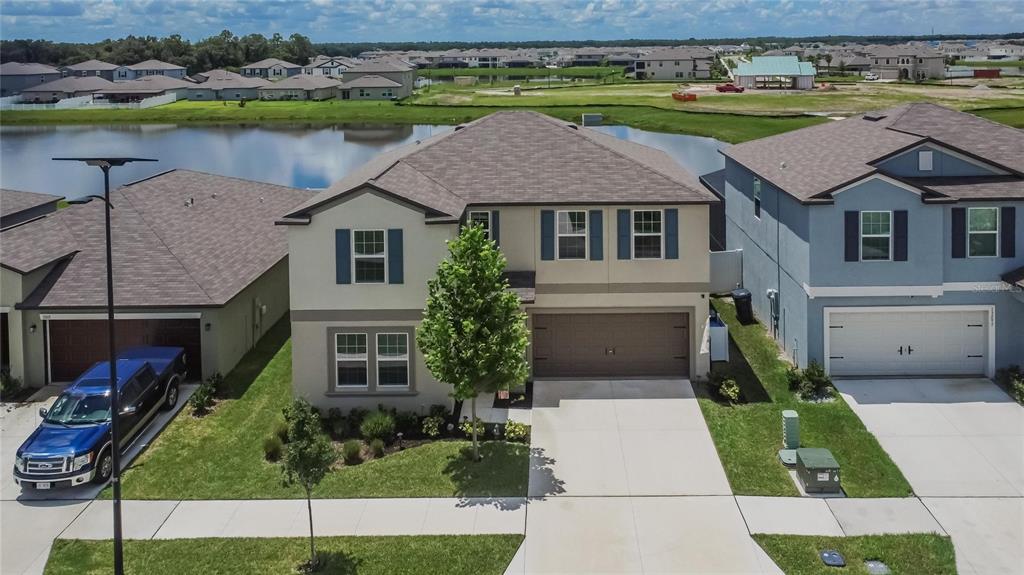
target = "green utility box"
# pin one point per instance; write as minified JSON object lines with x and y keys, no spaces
{"x":818,"y":470}
{"x":790,"y":429}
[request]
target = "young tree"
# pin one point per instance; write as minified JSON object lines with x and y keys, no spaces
{"x":308,"y":457}
{"x":473,"y":334}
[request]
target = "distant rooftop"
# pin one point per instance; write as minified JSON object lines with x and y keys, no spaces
{"x":787,"y":66}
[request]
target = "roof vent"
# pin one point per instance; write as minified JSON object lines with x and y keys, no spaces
{"x":873,"y":116}
{"x":573,"y":126}
{"x":459,"y":127}
{"x":190,"y":202}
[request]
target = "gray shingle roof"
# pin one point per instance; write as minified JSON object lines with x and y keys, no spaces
{"x":155,"y":65}
{"x":91,"y":65}
{"x":25,"y":69}
{"x":14,"y":201}
{"x":303,"y":82}
{"x":270,"y":62}
{"x":73,"y":84}
{"x":679,"y":53}
{"x":371,"y":81}
{"x":148,"y":84}
{"x":166,"y":253}
{"x":378,"y":66}
{"x":521,"y":157}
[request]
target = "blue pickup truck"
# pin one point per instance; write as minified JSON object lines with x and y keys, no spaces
{"x":72,"y":444}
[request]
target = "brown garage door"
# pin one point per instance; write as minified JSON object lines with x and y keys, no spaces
{"x":611,"y":345}
{"x":77,"y":344}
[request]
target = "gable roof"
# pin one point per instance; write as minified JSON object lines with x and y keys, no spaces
{"x":26,"y":69}
{"x":148,"y":84}
{"x":680,"y":53}
{"x":483,"y":163}
{"x":378,"y":66}
{"x":812,"y":162}
{"x":371,"y":81}
{"x":14,"y":201}
{"x":217,"y":74}
{"x":774,"y":66}
{"x":181,"y":238}
{"x":72,"y":84}
{"x":270,"y":63}
{"x":226,"y":82}
{"x":91,"y":65}
{"x":155,"y":65}
{"x":303,"y":82}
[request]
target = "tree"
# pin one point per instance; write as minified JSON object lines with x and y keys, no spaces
{"x":308,"y":457}
{"x":473,"y":334}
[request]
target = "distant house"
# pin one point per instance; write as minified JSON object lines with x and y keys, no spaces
{"x":332,"y":66}
{"x":146,"y":87}
{"x":271,"y":68}
{"x":684,"y":63}
{"x":301,"y":87}
{"x":148,"y":68}
{"x":781,"y":72}
{"x":16,"y":76}
{"x":403,"y":74}
{"x":217,"y":74}
{"x":224,"y":85}
{"x":17,"y":206}
{"x":588,"y":57}
{"x":907,"y":63}
{"x":369,"y":87}
{"x":69,"y":87}
{"x":99,"y":68}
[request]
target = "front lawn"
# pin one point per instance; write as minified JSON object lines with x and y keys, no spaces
{"x":454,"y":555}
{"x":911,"y":553}
{"x":220,"y":456}
{"x":748,"y":436}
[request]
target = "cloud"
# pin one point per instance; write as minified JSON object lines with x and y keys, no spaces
{"x":501,"y":20}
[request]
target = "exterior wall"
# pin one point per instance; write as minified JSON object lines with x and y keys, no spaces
{"x":667,"y":70}
{"x":407,"y":79}
{"x":970,"y":269}
{"x":279,"y":94}
{"x":943,"y":164}
{"x":272,"y":73}
{"x":232,"y":94}
{"x":370,"y":93}
{"x":11,"y":85}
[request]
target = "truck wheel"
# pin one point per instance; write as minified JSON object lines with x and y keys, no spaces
{"x":104,"y":468}
{"x":171,"y":397}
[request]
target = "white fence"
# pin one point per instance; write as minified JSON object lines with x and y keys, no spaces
{"x":65,"y":104}
{"x":140,"y":105}
{"x":87,"y":102}
{"x":726,"y":271}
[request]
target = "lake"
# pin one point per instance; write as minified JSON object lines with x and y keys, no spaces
{"x":298,"y":155}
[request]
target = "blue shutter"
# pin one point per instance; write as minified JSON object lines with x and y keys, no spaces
{"x":596,"y":227}
{"x":1008,"y":223}
{"x":672,"y":234}
{"x":959,"y":216}
{"x":495,"y":227}
{"x":396,"y":263}
{"x":899,"y":236}
{"x":343,"y":256}
{"x":624,"y":234}
{"x":547,"y":235}
{"x":851,"y":236}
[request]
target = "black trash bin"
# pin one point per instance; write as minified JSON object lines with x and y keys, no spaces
{"x":744,"y":311}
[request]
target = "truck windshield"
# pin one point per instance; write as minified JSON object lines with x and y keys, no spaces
{"x":79,"y":409}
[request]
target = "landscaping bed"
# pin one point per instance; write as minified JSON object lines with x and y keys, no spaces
{"x":748,"y":435}
{"x":910,"y":553}
{"x":453,"y":555}
{"x":222,"y":454}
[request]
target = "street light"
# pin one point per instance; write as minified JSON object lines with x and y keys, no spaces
{"x":115,"y":437}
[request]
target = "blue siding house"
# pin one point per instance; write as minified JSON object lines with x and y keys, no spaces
{"x":890,"y":243}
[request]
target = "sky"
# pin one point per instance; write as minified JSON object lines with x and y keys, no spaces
{"x":502,"y":20}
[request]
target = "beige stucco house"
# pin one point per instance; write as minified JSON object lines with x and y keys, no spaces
{"x":672,"y":64}
{"x":606,"y":243}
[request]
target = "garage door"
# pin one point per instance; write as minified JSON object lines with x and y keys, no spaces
{"x":902,"y":342}
{"x":611,"y":345}
{"x":77,"y":344}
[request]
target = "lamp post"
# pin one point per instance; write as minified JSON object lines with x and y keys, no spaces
{"x":115,"y":435}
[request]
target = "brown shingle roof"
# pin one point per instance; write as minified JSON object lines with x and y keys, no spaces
{"x":521,"y":157}
{"x":14,"y":201}
{"x":148,"y":84}
{"x":166,"y":253}
{"x":73,"y":84}
{"x":304,"y":82}
{"x":92,"y":65}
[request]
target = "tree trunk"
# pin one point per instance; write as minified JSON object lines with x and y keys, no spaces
{"x":309,"y":509}
{"x":476,"y":445}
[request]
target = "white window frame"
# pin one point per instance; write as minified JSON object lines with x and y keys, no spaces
{"x":862,"y":235}
{"x":925,"y":160}
{"x":355,"y":278}
{"x":559,"y":235}
{"x":986,"y":232}
{"x":487,"y":228}
{"x":353,"y":358}
{"x":633,"y":233}
{"x":392,"y":359}
{"x":757,"y":198}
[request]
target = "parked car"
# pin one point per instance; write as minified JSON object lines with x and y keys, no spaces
{"x":871,"y":76}
{"x":729,"y":88}
{"x":72,"y":445}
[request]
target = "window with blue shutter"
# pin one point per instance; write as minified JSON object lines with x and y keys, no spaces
{"x":623,"y":234}
{"x":596,"y":235}
{"x":547,"y":235}
{"x":672,"y":234}
{"x":495,"y":227}
{"x":343,"y":256}
{"x":396,"y":262}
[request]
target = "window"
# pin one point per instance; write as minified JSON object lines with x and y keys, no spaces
{"x":982,"y":232}
{"x":387,"y":93}
{"x":572,"y":235}
{"x":368,"y":255}
{"x":363,"y":93}
{"x":647,"y":234}
{"x":757,"y":198}
{"x":392,"y":360}
{"x":350,"y":359}
{"x":924,"y":160}
{"x":875,"y":236}
{"x":482,"y":219}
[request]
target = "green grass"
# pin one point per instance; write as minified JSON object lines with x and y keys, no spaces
{"x":571,"y":72}
{"x":1009,"y":116}
{"x":453,"y":555}
{"x":991,"y":63}
{"x":220,"y":456}
{"x":748,"y":436}
{"x":912,"y":553}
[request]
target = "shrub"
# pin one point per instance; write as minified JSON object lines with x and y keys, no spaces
{"x":467,"y":428}
{"x":795,"y":378}
{"x":1017,"y":388}
{"x":517,"y":432}
{"x":216,"y":381}
{"x":730,"y":391}
{"x":1012,"y":380}
{"x":810,"y":383}
{"x":280,"y":430}
{"x":439,"y":410}
{"x":378,"y":425}
{"x":432,"y":426}
{"x":272,"y":447}
{"x":377,"y":448}
{"x":351,"y":452}
{"x":201,"y":401}
{"x":407,"y":423}
{"x":9,"y":385}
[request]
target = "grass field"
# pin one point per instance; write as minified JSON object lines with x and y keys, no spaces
{"x":572,"y":72}
{"x":991,"y":63}
{"x":1009,"y":116}
{"x":220,"y":456}
{"x":911,"y":553}
{"x":748,"y":436}
{"x":453,"y":555}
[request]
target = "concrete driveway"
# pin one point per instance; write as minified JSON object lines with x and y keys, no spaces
{"x":960,"y":443}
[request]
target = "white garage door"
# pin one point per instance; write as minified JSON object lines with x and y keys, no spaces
{"x":908,"y":342}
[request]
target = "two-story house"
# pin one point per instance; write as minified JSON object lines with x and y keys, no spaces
{"x":885,"y":244}
{"x":907,"y":62}
{"x":606,"y":243}
{"x":670,"y":64}
{"x":271,"y":69}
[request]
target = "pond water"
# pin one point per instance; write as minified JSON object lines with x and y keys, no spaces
{"x":303,"y":156}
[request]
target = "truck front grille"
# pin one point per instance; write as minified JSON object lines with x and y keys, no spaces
{"x":47,"y":465}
